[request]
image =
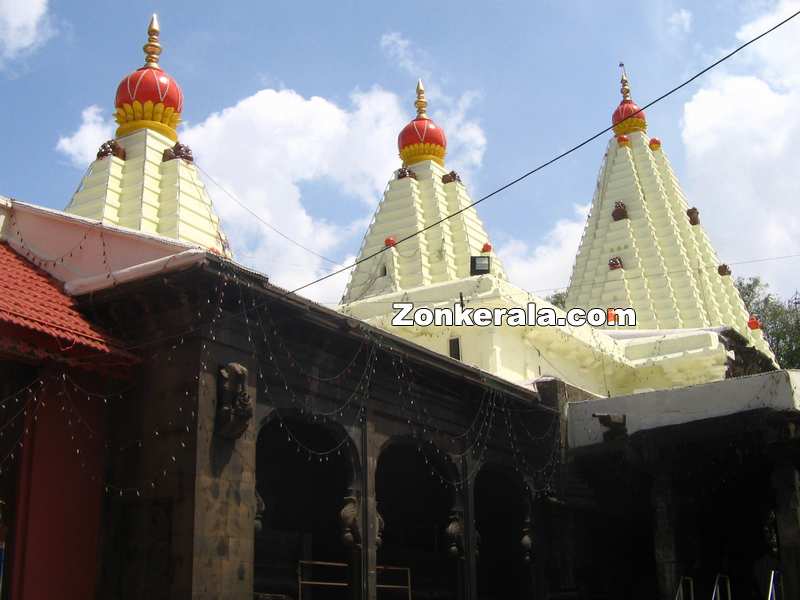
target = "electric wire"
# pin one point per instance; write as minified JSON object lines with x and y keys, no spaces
{"x":556,"y":158}
{"x":261,"y":219}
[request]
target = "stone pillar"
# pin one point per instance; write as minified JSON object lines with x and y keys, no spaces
{"x":665,"y":510}
{"x":786,"y":483}
{"x":368,"y":450}
{"x":454,"y":534}
{"x":225,"y":494}
{"x":469,"y":573}
{"x":351,"y":537}
{"x":526,"y":549}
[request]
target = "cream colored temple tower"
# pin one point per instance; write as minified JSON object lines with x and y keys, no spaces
{"x":644,"y":247}
{"x":436,"y":269}
{"x":144,"y":179}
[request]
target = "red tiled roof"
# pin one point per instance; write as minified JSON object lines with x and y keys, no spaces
{"x":32,"y":300}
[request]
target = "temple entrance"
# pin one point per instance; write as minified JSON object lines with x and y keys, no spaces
{"x":415,"y":506}
{"x":501,"y":508}
{"x":729,"y":528}
{"x":301,"y":486}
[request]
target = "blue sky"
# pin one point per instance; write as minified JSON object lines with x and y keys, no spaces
{"x":512,"y":82}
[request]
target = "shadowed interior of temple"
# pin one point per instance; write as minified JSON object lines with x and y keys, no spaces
{"x":500,"y":512}
{"x":415,"y":506}
{"x":729,"y":528}
{"x":299,"y":519}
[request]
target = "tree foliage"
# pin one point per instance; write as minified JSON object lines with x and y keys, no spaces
{"x":558,"y":299}
{"x":780,"y":320}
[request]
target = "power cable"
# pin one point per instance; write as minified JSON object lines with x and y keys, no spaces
{"x":495,"y":192}
{"x":262,"y":220}
{"x":555,"y":158}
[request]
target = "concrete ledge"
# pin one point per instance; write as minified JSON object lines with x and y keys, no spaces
{"x":777,"y":391}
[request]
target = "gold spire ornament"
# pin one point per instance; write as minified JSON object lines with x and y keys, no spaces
{"x":149,"y":98}
{"x":421,"y":103}
{"x":152,"y":49}
{"x":628,"y":117}
{"x":626,"y":86}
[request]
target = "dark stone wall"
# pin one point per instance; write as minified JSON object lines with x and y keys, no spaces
{"x":192,"y":535}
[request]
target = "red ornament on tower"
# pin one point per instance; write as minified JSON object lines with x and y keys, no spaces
{"x":422,"y":139}
{"x":149,"y":98}
{"x":627,"y":117}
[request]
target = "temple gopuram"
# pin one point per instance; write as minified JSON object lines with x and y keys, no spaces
{"x":174,"y":425}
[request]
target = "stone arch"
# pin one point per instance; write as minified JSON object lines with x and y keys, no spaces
{"x":306,"y":469}
{"x":349,"y":449}
{"x":416,"y":503}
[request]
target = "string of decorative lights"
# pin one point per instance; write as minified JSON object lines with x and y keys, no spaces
{"x":292,"y":359}
{"x":31,"y":255}
{"x":360,"y":391}
{"x":362,"y":385}
{"x":260,"y":218}
{"x":29,"y":405}
{"x":174,"y":425}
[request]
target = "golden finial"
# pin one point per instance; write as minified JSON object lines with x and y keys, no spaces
{"x":152,"y":48}
{"x":421,"y":103}
{"x":626,"y":88}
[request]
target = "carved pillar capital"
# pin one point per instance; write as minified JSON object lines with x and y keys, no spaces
{"x":348,"y":517}
{"x":455,"y":533}
{"x":527,"y":541}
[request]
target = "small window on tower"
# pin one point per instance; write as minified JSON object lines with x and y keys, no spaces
{"x":480,"y":265}
{"x":455,"y":348}
{"x":382,"y":272}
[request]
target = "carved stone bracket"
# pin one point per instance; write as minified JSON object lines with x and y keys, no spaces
{"x":178,"y":151}
{"x":111,"y":148}
{"x":260,"y":508}
{"x":234,"y":406}
{"x":402,"y":173}
{"x":348,"y":517}
{"x":378,"y":529}
{"x":526,"y":542}
{"x":455,"y":534}
{"x":451,"y":177}
{"x":620,"y":211}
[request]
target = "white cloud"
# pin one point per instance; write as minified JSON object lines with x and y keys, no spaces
{"x":24,"y":26}
{"x":81,"y":147}
{"x":399,"y":49}
{"x":261,"y":150}
{"x":547,"y":266}
{"x":265,"y":146}
{"x":740,"y":133}
{"x":680,"y":22}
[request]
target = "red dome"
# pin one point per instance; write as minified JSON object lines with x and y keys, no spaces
{"x":626,"y":110}
{"x":149,"y":83}
{"x":421,"y":131}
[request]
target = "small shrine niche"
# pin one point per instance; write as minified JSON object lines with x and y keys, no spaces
{"x":403,"y":172}
{"x":614,"y":263}
{"x":451,"y":177}
{"x":111,"y":148}
{"x":724,"y":270}
{"x":694,"y":216}
{"x":178,"y":151}
{"x":620,"y":211}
